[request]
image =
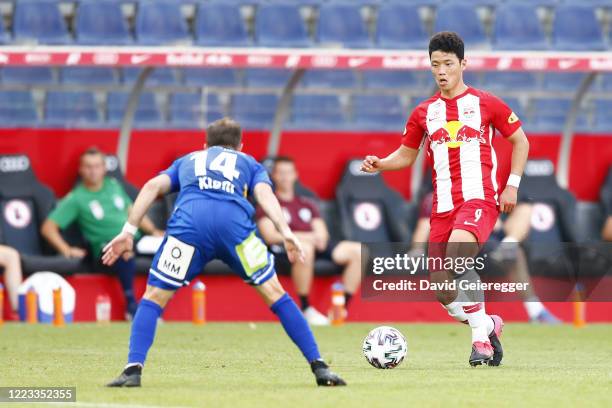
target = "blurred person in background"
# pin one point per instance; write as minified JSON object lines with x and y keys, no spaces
{"x":10,"y":261}
{"x":304,"y":218}
{"x":100,"y":206}
{"x":503,"y":246}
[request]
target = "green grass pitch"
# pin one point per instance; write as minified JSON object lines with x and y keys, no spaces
{"x":246,"y":365}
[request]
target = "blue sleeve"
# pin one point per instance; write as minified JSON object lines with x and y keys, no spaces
{"x":173,"y":173}
{"x":260,"y":175}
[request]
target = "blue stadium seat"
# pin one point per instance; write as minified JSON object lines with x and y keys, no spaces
{"x":508,"y":81}
{"x":27,"y":75}
{"x":392,"y":80}
{"x":159,"y":76}
{"x":147,"y":114}
{"x":187,"y":110}
{"x":88,"y":76}
{"x":329,"y":78}
{"x":5,"y":37}
{"x":17,"y":109}
{"x":70,"y":109}
{"x":266,"y":78}
{"x":602,"y":117}
{"x":378,"y":112}
{"x":517,"y":27}
{"x":605,"y":82}
{"x":161,"y":22}
{"x":462,"y":19}
{"x":317,"y":112}
{"x":253,"y":111}
{"x":399,"y":26}
{"x":575,"y":28}
{"x":39,"y":22}
{"x":101,"y":22}
{"x":218,"y":77}
{"x":280,"y":25}
{"x":341,"y":24}
{"x":563,"y":81}
{"x":548,"y":114}
{"x":219,"y":24}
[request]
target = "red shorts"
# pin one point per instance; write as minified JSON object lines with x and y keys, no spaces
{"x":475,"y":216}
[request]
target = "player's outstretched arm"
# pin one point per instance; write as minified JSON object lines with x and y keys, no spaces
{"x":520,"y":152}
{"x":124,"y":241}
{"x":269,"y":204}
{"x":401,"y":158}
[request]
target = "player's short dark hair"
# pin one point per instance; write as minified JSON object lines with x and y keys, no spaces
{"x":447,"y":41}
{"x":224,"y":132}
{"x":92,"y":151}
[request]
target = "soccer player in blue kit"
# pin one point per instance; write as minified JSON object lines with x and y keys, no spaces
{"x":212,"y":219}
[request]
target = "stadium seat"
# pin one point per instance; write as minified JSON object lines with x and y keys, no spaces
{"x":399,"y":26}
{"x":553,"y":221}
{"x":602,"y":117}
{"x":462,"y":19}
{"x":575,"y":28}
{"x":147,"y":114}
{"x":39,"y":22}
{"x":70,"y":109}
{"x":22,"y":195}
{"x":219,"y":24}
{"x":370,"y":211}
{"x":216,"y":77}
{"x":5,"y":37}
{"x":27,"y":75}
{"x":517,"y":27}
{"x":101,"y":23}
{"x":605,"y":82}
{"x":317,"y":112}
{"x":378,"y":112}
{"x":17,"y":109}
{"x":341,"y":24}
{"x":88,"y":76}
{"x":159,"y":76}
{"x":508,"y":81}
{"x":193,"y":111}
{"x":254,"y":111}
{"x":280,"y":25}
{"x":329,"y":78}
{"x":605,"y":195}
{"x":161,"y":22}
{"x":565,"y":81}
{"x":392,"y":80}
{"x":549,"y":114}
{"x":266,"y":78}
{"x":29,"y":201}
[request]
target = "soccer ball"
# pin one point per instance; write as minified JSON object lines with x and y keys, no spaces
{"x":385,"y":347}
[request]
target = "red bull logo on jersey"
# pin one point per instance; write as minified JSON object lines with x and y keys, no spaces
{"x":454,"y":133}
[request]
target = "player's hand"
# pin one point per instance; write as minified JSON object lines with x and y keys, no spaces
{"x":120,"y":245}
{"x":74,"y":252}
{"x":293,"y":247}
{"x":507,"y":200}
{"x":371,"y":164}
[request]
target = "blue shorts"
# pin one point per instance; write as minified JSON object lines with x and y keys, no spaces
{"x":203,"y":230}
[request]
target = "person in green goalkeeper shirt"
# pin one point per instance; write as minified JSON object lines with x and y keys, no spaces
{"x":100,"y":206}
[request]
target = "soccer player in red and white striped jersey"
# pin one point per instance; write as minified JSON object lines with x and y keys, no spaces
{"x":457,"y":125}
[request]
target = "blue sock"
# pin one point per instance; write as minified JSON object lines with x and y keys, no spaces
{"x":125,"y":272}
{"x":143,"y":330}
{"x":296,"y":327}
